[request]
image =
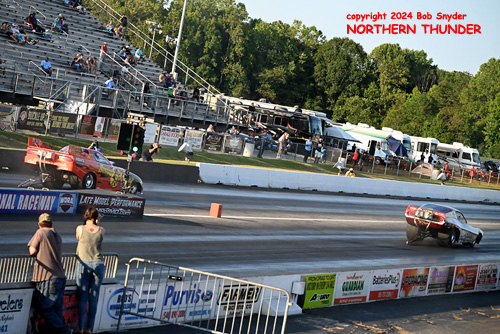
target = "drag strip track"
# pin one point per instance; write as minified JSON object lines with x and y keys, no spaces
{"x":265,"y":232}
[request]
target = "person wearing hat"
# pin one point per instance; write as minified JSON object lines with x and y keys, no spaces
{"x":350,"y":173}
{"x":102,"y":55}
{"x":48,"y":275}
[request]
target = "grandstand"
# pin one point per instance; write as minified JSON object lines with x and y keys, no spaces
{"x":24,"y":83}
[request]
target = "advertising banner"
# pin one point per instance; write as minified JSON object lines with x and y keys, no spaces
{"x":414,"y":282}
{"x":99,"y":126}
{"x":234,"y":145}
{"x":114,"y":128}
{"x":237,"y":300}
{"x":37,"y":201}
{"x":134,"y":300}
{"x":15,"y":310}
{"x":32,"y":119}
{"x":487,"y":277}
{"x":319,"y":290}
{"x":7,"y":117}
{"x":440,"y":280}
{"x":62,"y":123}
{"x":169,"y":136}
{"x":213,"y":142}
{"x":465,"y":278}
{"x":88,"y":126}
{"x":385,"y":284}
{"x":150,"y":133}
{"x":352,"y":287}
{"x":194,"y":138}
{"x":112,"y":205}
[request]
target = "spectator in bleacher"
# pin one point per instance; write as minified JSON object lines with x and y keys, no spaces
{"x":77,"y":63}
{"x":125,"y":73}
{"x":2,"y":67}
{"x":170,"y":93}
{"x":170,"y":80}
{"x":6,"y":30}
{"x":120,"y":32}
{"x":78,"y":5}
{"x":103,"y":54}
{"x":46,"y":66}
{"x":123,"y":53}
{"x":33,"y":23}
{"x":130,"y":61}
{"x":163,"y":79}
{"x":89,"y":66}
{"x":110,"y":27}
{"x":110,"y":83}
{"x":196,"y":94}
{"x":124,"y":22}
{"x":60,"y":24}
{"x":138,"y":55}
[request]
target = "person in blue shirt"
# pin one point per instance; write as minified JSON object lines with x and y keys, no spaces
{"x":110,"y":83}
{"x":46,"y":66}
{"x":138,"y":55}
{"x":308,"y":149}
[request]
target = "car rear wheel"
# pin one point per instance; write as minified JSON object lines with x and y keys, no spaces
{"x":89,"y":181}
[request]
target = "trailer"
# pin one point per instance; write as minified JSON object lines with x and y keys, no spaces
{"x":371,"y":140}
{"x":458,"y":156}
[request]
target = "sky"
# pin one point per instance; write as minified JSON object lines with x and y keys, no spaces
{"x":450,"y":52}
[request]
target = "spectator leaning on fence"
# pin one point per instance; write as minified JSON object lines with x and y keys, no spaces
{"x":46,"y":66}
{"x":48,"y":275}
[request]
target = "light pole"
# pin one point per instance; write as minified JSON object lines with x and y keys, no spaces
{"x":178,"y":44}
{"x":156,"y":28}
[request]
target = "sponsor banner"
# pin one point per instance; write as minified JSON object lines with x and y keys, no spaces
{"x":213,"y":142}
{"x":319,"y":290}
{"x":32,"y":119}
{"x":169,"y":136}
{"x":237,"y":300}
{"x":234,"y":145}
{"x":150,"y":133}
{"x":135,"y":300}
{"x":352,"y":287}
{"x":7,"y":117}
{"x":99,"y":126}
{"x":114,"y":128}
{"x":15,"y":310}
{"x":487,"y":277}
{"x":37,"y":201}
{"x":112,"y":205}
{"x":465,"y":278}
{"x":385,"y":284}
{"x":414,"y":282}
{"x":88,"y":125}
{"x":62,"y":123}
{"x":194,"y":138}
{"x":440,"y":280}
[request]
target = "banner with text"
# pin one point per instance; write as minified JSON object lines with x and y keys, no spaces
{"x":385,"y":284}
{"x":352,"y":287}
{"x":37,"y":201}
{"x":319,"y":290}
{"x":213,"y":142}
{"x":414,"y":282}
{"x":194,"y":138}
{"x":112,"y":205}
{"x":169,"y":136}
{"x":15,"y":310}
{"x":440,"y":280}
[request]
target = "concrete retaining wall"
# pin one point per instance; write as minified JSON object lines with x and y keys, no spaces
{"x":268,"y":178}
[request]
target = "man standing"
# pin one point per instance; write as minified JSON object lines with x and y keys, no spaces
{"x":308,"y":149}
{"x":102,"y":55}
{"x":48,"y":274}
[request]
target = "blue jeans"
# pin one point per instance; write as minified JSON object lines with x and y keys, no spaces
{"x":89,"y":276}
{"x":49,"y":297}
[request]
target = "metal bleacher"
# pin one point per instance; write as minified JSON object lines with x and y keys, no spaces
{"x":23,"y":81}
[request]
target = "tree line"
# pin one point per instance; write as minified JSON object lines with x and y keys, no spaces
{"x":292,"y":64}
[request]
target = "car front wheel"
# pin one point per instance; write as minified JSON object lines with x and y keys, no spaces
{"x":89,"y":181}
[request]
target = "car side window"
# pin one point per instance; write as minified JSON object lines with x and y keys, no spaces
{"x":461,"y":218}
{"x":101,"y":158}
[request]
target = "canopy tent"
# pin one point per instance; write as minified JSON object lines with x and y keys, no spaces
{"x":397,"y":147}
{"x":332,"y":129}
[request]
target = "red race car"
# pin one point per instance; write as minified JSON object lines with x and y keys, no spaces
{"x":82,"y":168}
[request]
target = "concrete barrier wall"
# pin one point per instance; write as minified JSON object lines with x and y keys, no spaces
{"x":268,"y":178}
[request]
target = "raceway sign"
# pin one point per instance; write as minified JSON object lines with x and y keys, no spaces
{"x":32,"y":201}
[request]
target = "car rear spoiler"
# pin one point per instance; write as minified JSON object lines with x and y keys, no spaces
{"x":36,"y":142}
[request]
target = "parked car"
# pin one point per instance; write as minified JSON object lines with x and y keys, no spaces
{"x":81,"y":167}
{"x":446,"y":224}
{"x":489,"y":165}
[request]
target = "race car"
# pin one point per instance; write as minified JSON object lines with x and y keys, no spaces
{"x":446,"y":224}
{"x":81,"y":167}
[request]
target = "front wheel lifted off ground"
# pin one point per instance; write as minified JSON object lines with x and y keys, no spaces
{"x":412,"y":234}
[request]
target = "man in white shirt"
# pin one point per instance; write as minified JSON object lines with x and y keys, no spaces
{"x":46,"y":66}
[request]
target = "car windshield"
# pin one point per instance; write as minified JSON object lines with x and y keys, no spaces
{"x":64,"y":149}
{"x":433,"y":148}
{"x":461,"y":217}
{"x":475,"y":157}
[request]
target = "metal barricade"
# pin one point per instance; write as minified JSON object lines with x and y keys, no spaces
{"x":19,"y":269}
{"x":200,"y":300}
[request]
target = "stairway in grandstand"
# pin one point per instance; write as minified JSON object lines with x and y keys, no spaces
{"x":86,"y":37}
